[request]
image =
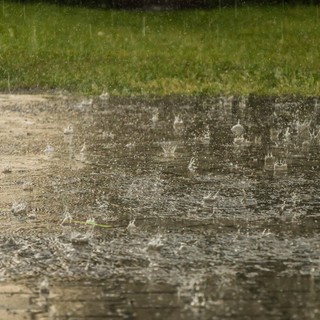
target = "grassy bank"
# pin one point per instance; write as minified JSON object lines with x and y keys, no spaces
{"x":268,"y":50}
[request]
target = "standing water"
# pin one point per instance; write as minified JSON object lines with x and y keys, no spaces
{"x":209,"y":211}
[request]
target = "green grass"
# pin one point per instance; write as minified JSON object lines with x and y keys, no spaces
{"x":267,"y":50}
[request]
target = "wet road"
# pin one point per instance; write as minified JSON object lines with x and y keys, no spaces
{"x":173,"y":208}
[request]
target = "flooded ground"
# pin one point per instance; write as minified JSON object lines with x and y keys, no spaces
{"x":175,"y":208}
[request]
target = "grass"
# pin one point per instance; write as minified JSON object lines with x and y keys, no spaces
{"x":261,"y":50}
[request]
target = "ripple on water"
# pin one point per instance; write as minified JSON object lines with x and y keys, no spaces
{"x":198,"y":221}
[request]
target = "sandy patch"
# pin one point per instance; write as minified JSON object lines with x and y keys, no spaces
{"x":21,"y":98}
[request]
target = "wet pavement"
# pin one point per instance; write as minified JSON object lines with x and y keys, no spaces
{"x":171,"y":208}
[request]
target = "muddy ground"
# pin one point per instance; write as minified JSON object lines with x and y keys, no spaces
{"x":171,"y":208}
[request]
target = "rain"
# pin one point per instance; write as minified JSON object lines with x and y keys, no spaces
{"x":125,"y":205}
{"x":152,"y":221}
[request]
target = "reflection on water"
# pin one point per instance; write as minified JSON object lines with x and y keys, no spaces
{"x":213,"y":204}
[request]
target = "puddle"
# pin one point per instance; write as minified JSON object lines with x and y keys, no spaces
{"x":170,"y":208}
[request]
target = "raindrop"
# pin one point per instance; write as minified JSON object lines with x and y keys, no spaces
{"x":314,"y":137}
{"x":104,"y":96}
{"x":305,"y":146}
{"x":178,"y":124}
{"x":168,"y":148}
{"x":19,"y":208}
{"x":257,"y":140}
{"x":210,"y":198}
{"x":303,"y":130}
{"x":274,"y":134}
{"x":155,"y":116}
{"x":66,"y":217}
{"x":241,"y":141}
{"x":84,"y":105}
{"x":68,"y":129}
{"x":206,"y":135}
{"x":280,"y":166}
{"x":192,"y":165}
{"x":144,"y":26}
{"x":237,"y":129}
{"x":82,"y":155}
{"x":155,"y":244}
{"x":287,"y":135}
{"x":282,"y":208}
{"x":198,"y":300}
{"x":84,"y":148}
{"x":34,"y":38}
{"x":132,"y":228}
{"x":266,"y":232}
{"x":48,"y":151}
{"x":269,"y":161}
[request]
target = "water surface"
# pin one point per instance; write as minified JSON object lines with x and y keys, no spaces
{"x":205,"y":222}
